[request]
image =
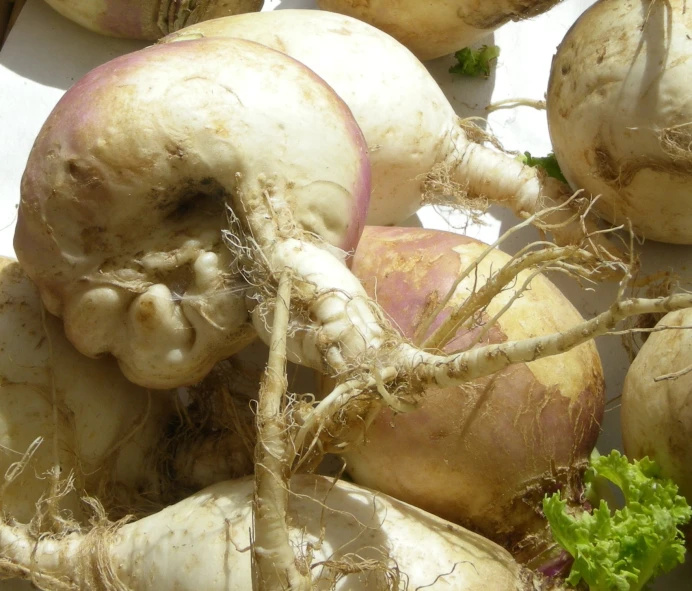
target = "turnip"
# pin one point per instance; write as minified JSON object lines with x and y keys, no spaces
{"x":346,"y":537}
{"x":147,"y":19}
{"x":434,"y":29}
{"x":69,"y":424}
{"x":124,"y":197}
{"x":656,"y":416}
{"x":419,"y":149}
{"x":482,"y":454}
{"x":619,"y":113}
{"x":171,"y":187}
{"x":72,"y":427}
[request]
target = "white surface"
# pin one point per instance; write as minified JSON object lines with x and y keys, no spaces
{"x":45,"y":54}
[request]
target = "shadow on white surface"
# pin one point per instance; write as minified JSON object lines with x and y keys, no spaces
{"x":53,"y":51}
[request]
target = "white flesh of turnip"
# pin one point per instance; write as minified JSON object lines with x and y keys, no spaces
{"x":620,"y":113}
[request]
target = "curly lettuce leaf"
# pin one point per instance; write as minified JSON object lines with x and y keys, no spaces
{"x":475,"y":62}
{"x":547,"y":163}
{"x":622,"y":550}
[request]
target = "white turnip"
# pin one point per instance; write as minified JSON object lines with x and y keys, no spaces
{"x":620,"y":113}
{"x":147,"y":19}
{"x":71,"y":426}
{"x":419,"y":149}
{"x":79,"y":419}
{"x":345,"y":536}
{"x":483,"y":454}
{"x":434,"y":29}
{"x":124,"y":197}
{"x":656,"y":414}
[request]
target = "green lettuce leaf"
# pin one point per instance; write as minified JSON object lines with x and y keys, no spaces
{"x":623,"y":549}
{"x":475,"y":62}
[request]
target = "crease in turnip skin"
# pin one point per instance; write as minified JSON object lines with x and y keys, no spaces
{"x":431,"y":30}
{"x":620,"y":117}
{"x":147,"y":19}
{"x":420,"y":151}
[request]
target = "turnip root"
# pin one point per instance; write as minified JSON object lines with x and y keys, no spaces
{"x":419,"y":149}
{"x":619,"y":114}
{"x":147,"y":19}
{"x":485,"y":453}
{"x":656,"y":414}
{"x":69,"y":425}
{"x":346,"y":537}
{"x":274,"y":559}
{"x":434,"y":29}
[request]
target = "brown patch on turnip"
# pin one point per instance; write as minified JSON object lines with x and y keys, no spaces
{"x":174,"y":15}
{"x":676,"y":145}
{"x":490,"y":16}
{"x":605,"y":164}
{"x":193,"y":197}
{"x":213,"y":436}
{"x":534,"y":543}
{"x":93,"y":239}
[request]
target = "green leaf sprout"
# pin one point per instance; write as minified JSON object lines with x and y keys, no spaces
{"x":547,"y":163}
{"x":475,"y":62}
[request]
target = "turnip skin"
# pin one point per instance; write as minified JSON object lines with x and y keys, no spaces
{"x":656,"y":416}
{"x":203,"y":543}
{"x":147,"y":19}
{"x":106,"y":432}
{"x":484,"y":454}
{"x":123,"y":197}
{"x":434,"y":29}
{"x":619,"y":113}
{"x":410,"y":126}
